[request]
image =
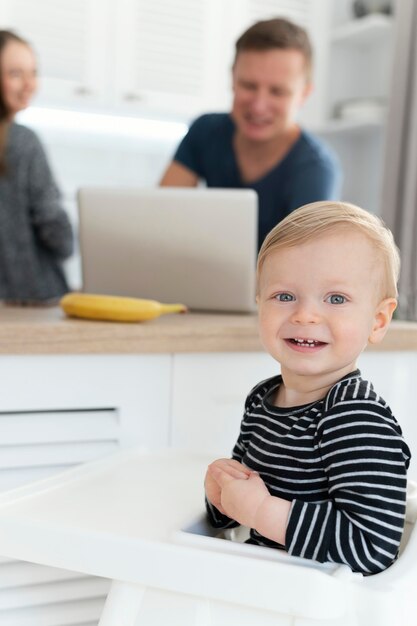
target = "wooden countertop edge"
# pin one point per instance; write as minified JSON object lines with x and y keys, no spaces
{"x":118,"y":347}
{"x":125,"y":341}
{"x":36,"y":332}
{"x":50,"y":332}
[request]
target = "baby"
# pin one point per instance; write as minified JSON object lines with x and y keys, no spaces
{"x":320,"y":466}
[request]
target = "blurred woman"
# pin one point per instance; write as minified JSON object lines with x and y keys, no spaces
{"x":35,"y":233}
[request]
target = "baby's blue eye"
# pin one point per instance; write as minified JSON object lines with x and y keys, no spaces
{"x":284,"y":297}
{"x":336,"y":298}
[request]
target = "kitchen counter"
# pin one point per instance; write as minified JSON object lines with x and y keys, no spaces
{"x":49,"y":331}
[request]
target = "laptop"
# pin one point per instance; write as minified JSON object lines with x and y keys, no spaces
{"x":195,"y":246}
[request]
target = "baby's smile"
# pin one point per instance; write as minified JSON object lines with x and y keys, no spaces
{"x":309,"y":344}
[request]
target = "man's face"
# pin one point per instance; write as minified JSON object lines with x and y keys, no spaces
{"x":269,"y":87}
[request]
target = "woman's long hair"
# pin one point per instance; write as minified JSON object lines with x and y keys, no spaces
{"x":5,"y":37}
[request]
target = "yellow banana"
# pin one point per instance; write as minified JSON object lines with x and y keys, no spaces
{"x":115,"y":308}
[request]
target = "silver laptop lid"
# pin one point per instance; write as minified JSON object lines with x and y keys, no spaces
{"x":197,"y":246}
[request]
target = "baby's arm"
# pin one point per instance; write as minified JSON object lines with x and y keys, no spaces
{"x":365,"y":460}
{"x":247,"y":500}
{"x":228,"y":467}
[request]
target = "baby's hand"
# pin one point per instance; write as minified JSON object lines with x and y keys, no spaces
{"x":240,"y":498}
{"x":231,"y":468}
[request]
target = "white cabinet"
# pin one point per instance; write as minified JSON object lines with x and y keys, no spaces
{"x":131,"y":57}
{"x":136,"y":57}
{"x":58,"y":411}
{"x":208,"y":397}
{"x":166,"y":55}
{"x":70,"y":39}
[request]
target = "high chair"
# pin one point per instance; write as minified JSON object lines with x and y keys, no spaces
{"x":135,"y":517}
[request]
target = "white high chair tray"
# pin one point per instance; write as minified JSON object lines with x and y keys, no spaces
{"x":121,"y":518}
{"x":127,"y":517}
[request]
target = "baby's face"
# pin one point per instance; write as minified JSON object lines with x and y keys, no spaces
{"x":318,"y":303}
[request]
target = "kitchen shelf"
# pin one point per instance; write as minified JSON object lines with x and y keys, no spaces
{"x":338,"y":126}
{"x":363,"y":31}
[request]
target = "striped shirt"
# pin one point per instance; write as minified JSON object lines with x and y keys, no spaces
{"x":342,"y":463}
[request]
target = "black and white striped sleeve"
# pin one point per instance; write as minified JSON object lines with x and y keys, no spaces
{"x":365,"y":459}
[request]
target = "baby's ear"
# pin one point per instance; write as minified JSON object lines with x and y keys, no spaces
{"x":383,"y":316}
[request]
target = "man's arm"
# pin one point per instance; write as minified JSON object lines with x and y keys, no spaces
{"x":177,"y":175}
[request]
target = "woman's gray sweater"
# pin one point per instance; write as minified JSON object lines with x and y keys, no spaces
{"x":35,"y":232}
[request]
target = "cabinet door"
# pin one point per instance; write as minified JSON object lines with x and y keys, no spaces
{"x":56,"y":412}
{"x":129,"y":393}
{"x":209,"y":392}
{"x":166,"y":55}
{"x":70,"y":40}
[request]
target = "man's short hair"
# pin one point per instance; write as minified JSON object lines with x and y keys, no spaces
{"x":277,"y":33}
{"x":321,"y":218}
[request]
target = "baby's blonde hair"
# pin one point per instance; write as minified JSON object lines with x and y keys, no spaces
{"x":319,"y":218}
